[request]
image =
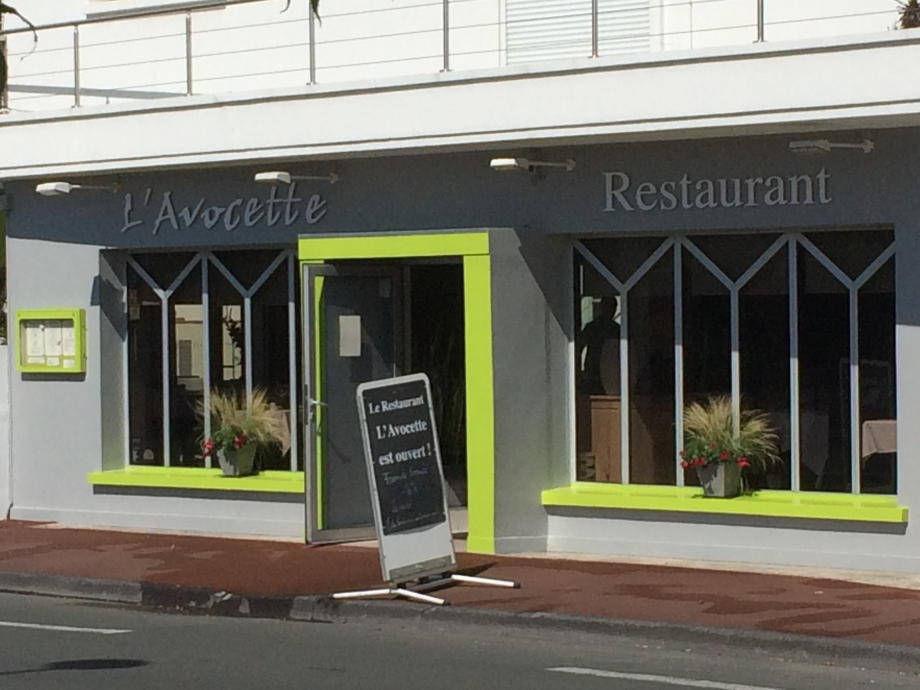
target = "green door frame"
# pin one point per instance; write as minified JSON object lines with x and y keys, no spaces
{"x":473,"y":249}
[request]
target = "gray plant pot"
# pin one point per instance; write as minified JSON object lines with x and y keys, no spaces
{"x":720,"y":479}
{"x":238,"y":462}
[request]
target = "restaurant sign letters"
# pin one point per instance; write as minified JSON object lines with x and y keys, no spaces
{"x":238,"y":214}
{"x":624,"y":194}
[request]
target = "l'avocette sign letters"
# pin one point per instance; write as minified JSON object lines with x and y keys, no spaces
{"x":623,"y":194}
{"x":237,"y":214}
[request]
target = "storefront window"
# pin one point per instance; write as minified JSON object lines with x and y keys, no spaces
{"x":221,"y":322}
{"x":799,"y":325}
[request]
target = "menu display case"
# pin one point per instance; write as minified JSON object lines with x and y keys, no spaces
{"x":51,"y":341}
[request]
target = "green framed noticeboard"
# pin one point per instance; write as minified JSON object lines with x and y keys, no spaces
{"x":50,"y":341}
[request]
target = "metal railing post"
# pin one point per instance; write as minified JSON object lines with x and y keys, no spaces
{"x":760,"y":20}
{"x":446,"y":4}
{"x":594,"y":31}
{"x":188,"y":53}
{"x":5,"y":94}
{"x":76,"y":66}
{"x":312,"y":45}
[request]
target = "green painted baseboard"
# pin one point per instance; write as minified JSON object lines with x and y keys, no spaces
{"x":199,"y":479}
{"x":782,"y":504}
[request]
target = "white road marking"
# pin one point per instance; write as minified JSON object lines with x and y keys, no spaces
{"x":63,"y":628}
{"x":664,"y":680}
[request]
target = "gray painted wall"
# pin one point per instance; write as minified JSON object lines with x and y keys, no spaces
{"x":530,"y":335}
{"x":5,"y":465}
{"x":64,"y":429}
{"x":59,"y":428}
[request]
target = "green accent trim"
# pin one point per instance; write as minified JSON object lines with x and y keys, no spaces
{"x":2,"y":237}
{"x":199,"y":479}
{"x":75,"y":364}
{"x":318,"y":283}
{"x":782,"y":504}
{"x":480,"y":403}
{"x":383,"y":246}
{"x":477,"y":294}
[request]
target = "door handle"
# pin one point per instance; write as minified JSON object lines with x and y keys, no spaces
{"x":312,"y":404}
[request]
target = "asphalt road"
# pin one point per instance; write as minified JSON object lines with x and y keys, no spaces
{"x":53,"y":643}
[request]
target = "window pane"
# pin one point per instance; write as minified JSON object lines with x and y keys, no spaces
{"x":877,"y":402}
{"x":707,"y":337}
{"x":228,"y":341}
{"x":597,"y":363}
{"x":650,"y":312}
{"x":145,"y":373}
{"x":271,"y":358}
{"x":824,"y":355}
{"x":852,"y":251}
{"x":764,"y":342}
{"x":186,"y":372}
{"x":734,"y":254}
{"x":624,"y":257}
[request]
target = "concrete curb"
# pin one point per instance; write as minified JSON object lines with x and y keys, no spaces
{"x":113,"y":591}
{"x":324,"y":609}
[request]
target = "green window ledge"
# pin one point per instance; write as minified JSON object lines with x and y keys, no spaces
{"x":782,"y":504}
{"x":200,"y":479}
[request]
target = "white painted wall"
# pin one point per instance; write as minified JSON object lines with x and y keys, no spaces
{"x":6,"y":479}
{"x":651,"y":97}
{"x":256,"y":46}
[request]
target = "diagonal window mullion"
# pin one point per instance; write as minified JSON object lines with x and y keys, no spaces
{"x":762,"y":261}
{"x":598,"y":266}
{"x":874,"y":267}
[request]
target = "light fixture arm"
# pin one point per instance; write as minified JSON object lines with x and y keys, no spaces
{"x":569,"y":164}
{"x":59,"y":188}
{"x":332,"y":178}
{"x":284,"y":177}
{"x":826,"y":146}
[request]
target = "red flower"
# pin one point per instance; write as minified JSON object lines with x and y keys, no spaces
{"x":743,"y":462}
{"x":684,"y":464}
{"x":681,"y":453}
{"x":699,"y":462}
{"x":239,"y":441}
{"x":207,"y":447}
{"x":723,"y":455}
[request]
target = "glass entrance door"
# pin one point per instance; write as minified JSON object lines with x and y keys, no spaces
{"x":353,"y":333}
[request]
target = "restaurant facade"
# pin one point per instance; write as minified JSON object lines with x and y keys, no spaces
{"x":566,"y":315}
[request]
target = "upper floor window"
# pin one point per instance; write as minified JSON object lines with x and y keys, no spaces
{"x":553,"y":29}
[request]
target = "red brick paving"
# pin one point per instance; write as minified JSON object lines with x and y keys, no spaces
{"x":641,"y":592}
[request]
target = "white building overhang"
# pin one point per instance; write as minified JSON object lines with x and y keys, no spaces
{"x":818,"y":85}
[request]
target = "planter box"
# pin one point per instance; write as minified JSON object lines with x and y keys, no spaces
{"x":238,"y":462}
{"x":720,"y":479}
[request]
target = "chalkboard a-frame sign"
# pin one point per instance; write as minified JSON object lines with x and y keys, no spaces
{"x":406,"y":478}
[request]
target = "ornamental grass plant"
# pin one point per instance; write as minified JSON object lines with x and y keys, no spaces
{"x":710,"y":437}
{"x":234,"y":423}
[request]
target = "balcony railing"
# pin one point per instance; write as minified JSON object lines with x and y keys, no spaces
{"x":248,"y":45}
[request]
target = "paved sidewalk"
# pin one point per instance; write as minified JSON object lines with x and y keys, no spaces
{"x":796,"y":604}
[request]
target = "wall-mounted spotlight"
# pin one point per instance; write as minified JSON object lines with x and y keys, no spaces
{"x":529,"y":165}
{"x":281,"y":177}
{"x":825,"y":146}
{"x":59,"y":188}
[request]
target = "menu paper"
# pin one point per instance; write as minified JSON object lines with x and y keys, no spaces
{"x":35,"y":342}
{"x":53,"y":337}
{"x":68,"y":340}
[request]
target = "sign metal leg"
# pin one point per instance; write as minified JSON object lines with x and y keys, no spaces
{"x":487,"y":581}
{"x":403,"y":592}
